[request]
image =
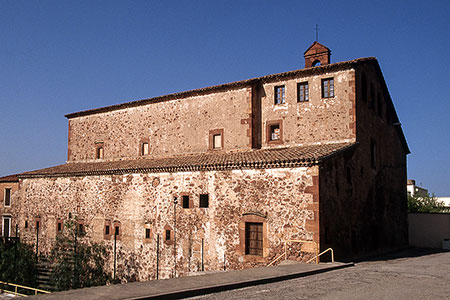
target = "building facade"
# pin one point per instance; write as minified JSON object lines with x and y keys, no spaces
{"x":223,"y":176}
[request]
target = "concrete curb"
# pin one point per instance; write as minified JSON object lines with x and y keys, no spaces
{"x":238,"y":285}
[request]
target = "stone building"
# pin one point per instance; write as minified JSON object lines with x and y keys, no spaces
{"x":8,"y":187}
{"x":314,"y":154}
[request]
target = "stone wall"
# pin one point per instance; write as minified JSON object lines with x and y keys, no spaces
{"x":172,"y":127}
{"x":363,"y":204}
{"x":279,"y":198}
{"x":184,"y":126}
{"x":319,"y":120}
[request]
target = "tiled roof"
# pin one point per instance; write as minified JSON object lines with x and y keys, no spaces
{"x":252,"y":159}
{"x":9,"y":178}
{"x":237,"y":84}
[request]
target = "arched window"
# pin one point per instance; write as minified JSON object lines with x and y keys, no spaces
{"x":316,"y":63}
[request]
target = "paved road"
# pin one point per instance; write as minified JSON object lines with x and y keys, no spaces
{"x":408,"y":275}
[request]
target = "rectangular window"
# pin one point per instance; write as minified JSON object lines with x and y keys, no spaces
{"x":185,"y":201}
{"x":147,"y":233}
{"x":204,"y":200}
{"x":302,"y":92}
{"x":99,"y":153}
{"x":217,"y":141}
{"x":274,"y":132}
{"x":254,"y":239}
{"x":328,"y":88}
{"x":117,"y":230}
{"x":167,"y":235}
{"x":107,"y":230}
{"x":59,"y":226}
{"x":6,"y":226}
{"x":280,"y":95}
{"x":144,"y":148}
{"x":7,"y":197}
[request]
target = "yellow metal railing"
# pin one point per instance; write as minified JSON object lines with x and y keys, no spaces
{"x":17,"y":286}
{"x":323,"y":252}
{"x":316,"y":250}
{"x":276,"y":259}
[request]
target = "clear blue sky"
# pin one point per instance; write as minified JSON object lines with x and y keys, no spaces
{"x":58,"y":57}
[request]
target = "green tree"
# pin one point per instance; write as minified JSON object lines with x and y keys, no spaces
{"x":77,"y":261}
{"x":17,"y":262}
{"x":427,"y":204}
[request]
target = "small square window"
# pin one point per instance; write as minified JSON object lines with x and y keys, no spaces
{"x":216,"y":139}
{"x":185,"y":201}
{"x":107,"y":230}
{"x":302,"y":92}
{"x":328,"y":88}
{"x":204,"y":200}
{"x":99,"y":153}
{"x":280,"y":95}
{"x":8,"y":197}
{"x":59,"y":226}
{"x":144,"y":148}
{"x":274,"y":132}
{"x":147,"y":233}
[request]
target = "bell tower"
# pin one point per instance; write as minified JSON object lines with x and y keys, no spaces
{"x":317,"y":55}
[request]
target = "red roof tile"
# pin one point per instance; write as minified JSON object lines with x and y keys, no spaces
{"x":253,"y":159}
{"x":9,"y":178}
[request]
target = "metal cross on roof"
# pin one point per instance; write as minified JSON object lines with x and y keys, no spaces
{"x":317,"y":32}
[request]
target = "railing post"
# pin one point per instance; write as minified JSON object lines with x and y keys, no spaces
{"x":115,"y":245}
{"x":317,"y":253}
{"x":285,"y":250}
{"x":157,"y":256}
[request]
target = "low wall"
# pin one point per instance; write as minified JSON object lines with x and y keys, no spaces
{"x":428,"y":229}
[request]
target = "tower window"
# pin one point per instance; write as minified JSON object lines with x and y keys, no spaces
{"x":328,"y":88}
{"x":302,"y":92}
{"x":280,"y":95}
{"x":147,"y":233}
{"x":168,"y":234}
